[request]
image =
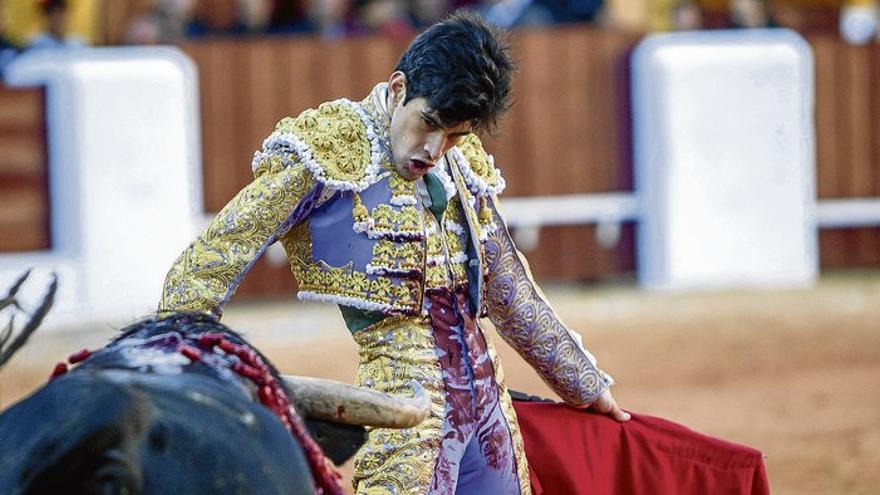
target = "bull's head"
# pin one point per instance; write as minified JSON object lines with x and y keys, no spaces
{"x":109,"y":428}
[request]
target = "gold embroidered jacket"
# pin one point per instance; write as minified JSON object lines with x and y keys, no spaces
{"x":356,"y":235}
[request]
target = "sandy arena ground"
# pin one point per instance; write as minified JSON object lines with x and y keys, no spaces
{"x":794,"y":373}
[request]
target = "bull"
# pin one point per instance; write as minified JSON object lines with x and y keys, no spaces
{"x":183,"y":404}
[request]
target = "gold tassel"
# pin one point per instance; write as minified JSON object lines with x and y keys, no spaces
{"x":360,"y":212}
{"x":485,"y":212}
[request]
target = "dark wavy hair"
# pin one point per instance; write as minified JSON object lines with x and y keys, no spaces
{"x":462,"y":66}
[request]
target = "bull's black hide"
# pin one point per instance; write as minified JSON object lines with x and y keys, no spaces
{"x":132,"y":420}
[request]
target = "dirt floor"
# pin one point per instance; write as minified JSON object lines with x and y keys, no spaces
{"x":794,"y":373}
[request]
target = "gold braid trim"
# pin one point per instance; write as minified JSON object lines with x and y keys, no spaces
{"x":393,"y":352}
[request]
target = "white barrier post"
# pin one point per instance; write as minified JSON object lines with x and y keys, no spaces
{"x":125,"y":174}
{"x":725,"y":159}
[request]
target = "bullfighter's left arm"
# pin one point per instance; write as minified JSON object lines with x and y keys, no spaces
{"x":526,"y":321}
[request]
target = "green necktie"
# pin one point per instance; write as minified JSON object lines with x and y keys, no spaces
{"x":438,"y":195}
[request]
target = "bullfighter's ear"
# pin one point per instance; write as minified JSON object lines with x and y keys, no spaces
{"x":71,"y":437}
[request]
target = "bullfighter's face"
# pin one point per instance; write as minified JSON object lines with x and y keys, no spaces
{"x":418,"y":137}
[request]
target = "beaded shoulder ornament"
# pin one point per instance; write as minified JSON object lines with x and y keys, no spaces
{"x":334,"y":142}
{"x":482,"y":179}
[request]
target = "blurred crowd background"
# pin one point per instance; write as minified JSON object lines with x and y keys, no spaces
{"x":32,"y":24}
{"x":259,"y":60}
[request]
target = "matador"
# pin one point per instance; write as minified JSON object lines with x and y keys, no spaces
{"x":388,"y":207}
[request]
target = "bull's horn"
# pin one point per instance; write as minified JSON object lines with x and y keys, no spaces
{"x":7,"y":347}
{"x":338,"y":402}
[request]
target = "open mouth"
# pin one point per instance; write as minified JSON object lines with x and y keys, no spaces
{"x":419,"y":167}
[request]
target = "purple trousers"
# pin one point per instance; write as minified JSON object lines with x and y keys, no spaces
{"x":476,"y":450}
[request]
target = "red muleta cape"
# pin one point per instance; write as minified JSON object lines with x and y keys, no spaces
{"x":573,"y":452}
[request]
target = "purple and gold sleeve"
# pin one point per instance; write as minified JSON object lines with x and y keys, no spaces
{"x":525,"y":320}
{"x":207,"y":273}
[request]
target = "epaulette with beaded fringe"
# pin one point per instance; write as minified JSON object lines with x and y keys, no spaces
{"x":480,"y":174}
{"x":482,"y":180}
{"x":334,"y":142}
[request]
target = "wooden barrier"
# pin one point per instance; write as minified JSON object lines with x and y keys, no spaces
{"x":24,"y":181}
{"x":569,"y":131}
{"x":848,"y":142}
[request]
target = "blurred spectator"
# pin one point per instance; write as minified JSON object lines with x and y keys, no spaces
{"x":254,"y":15}
{"x":333,"y":19}
{"x":159,"y":21}
{"x":568,"y":11}
{"x":388,"y":18}
{"x":330,"y":19}
{"x":289,"y":17}
{"x":229,"y":17}
{"x":516,"y":13}
{"x":427,"y":12}
{"x":686,"y":15}
{"x":170,"y":21}
{"x":214,"y":17}
{"x":859,"y":21}
{"x":144,"y":30}
{"x":8,"y":49}
{"x":750,"y":14}
{"x":57,"y":15}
